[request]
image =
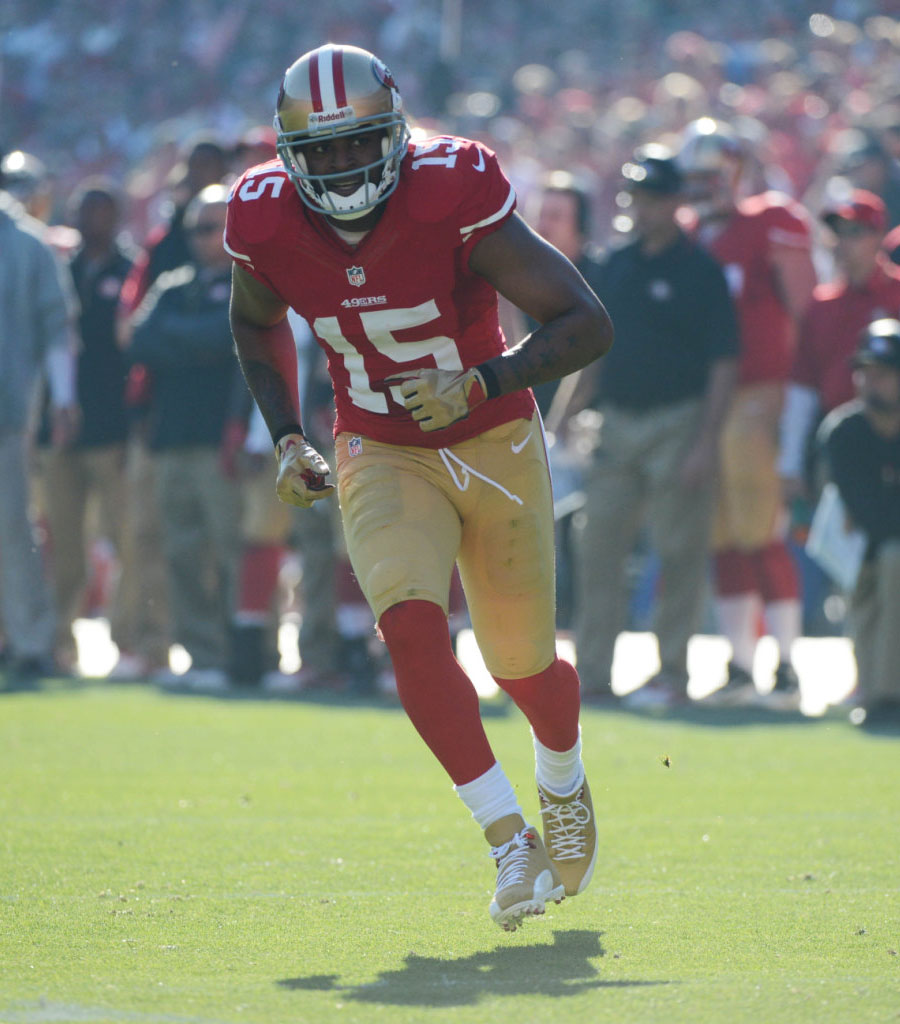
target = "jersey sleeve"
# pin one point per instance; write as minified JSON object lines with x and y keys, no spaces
{"x":487,"y":197}
{"x":253,"y":215}
{"x":458,"y":183}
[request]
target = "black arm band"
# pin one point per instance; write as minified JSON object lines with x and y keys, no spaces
{"x":491,"y":384}
{"x":290,"y":428}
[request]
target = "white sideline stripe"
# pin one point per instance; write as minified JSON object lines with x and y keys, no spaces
{"x":504,"y":209}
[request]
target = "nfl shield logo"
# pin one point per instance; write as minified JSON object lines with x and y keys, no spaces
{"x":356,"y":276}
{"x":354,"y":446}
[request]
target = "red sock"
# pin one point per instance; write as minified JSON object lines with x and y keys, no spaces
{"x":436,"y":693}
{"x":551,"y":701}
{"x":777,"y":573}
{"x":736,"y":573}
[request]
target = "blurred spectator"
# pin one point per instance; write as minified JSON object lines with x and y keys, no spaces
{"x":662,"y":393}
{"x":182,"y":334}
{"x":861,"y":440}
{"x":891,"y":245}
{"x":37,"y":331}
{"x":27,"y":180}
{"x":868,"y":289}
{"x":255,"y":146}
{"x":763,"y":244}
{"x":167,"y":246}
{"x":91,"y":470}
{"x":142,"y":593}
{"x":562,"y":216}
{"x":872,"y":168}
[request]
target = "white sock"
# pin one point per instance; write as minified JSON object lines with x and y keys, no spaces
{"x":784,"y":621}
{"x":560,"y":771}
{"x":489,"y":797}
{"x":739,"y":620}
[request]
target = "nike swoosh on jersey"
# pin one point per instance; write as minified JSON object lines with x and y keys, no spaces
{"x":516,"y":448}
{"x":480,"y":165}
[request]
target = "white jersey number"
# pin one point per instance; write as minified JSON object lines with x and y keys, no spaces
{"x":380,"y":325}
{"x":255,"y":187}
{"x":427,"y":152}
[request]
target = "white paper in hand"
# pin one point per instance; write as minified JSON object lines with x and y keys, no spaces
{"x":836,"y":549}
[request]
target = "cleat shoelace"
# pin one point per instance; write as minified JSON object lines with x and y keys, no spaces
{"x":564,"y":826}
{"x":512,"y":859}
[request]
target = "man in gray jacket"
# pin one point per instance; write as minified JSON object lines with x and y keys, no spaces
{"x":36,"y":333}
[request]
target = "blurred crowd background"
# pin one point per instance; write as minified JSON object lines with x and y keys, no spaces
{"x":136,"y":93}
{"x":96,"y":86}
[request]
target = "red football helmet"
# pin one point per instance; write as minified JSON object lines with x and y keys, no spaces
{"x":340,"y":90}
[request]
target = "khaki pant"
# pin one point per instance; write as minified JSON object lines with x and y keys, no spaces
{"x":749,"y":506}
{"x":200,"y":512}
{"x":316,"y":533}
{"x":875,"y":625}
{"x":633,"y":477}
{"x":140,"y":619}
{"x":84,"y":493}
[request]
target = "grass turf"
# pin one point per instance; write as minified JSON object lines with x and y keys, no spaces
{"x":199,"y":861}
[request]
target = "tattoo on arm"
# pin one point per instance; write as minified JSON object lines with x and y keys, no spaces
{"x":549,"y":353}
{"x":273,"y":396}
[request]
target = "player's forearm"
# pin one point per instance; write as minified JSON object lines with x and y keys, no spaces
{"x":268,"y":358}
{"x":559,"y":347}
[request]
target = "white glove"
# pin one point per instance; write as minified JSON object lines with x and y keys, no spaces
{"x":437,"y":398}
{"x":301,"y":472}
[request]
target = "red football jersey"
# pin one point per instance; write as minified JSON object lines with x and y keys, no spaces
{"x":403,"y":298}
{"x":831,"y":329}
{"x":744,"y":250}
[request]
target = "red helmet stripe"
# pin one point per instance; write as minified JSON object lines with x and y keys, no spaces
{"x":337,"y":72}
{"x":315,"y":90}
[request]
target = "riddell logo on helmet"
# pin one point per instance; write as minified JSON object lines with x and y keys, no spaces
{"x":317,"y":121}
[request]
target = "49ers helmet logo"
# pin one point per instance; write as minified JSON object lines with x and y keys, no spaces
{"x":383,"y":74}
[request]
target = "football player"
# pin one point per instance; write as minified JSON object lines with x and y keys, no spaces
{"x":763,"y":244}
{"x":394,"y":252}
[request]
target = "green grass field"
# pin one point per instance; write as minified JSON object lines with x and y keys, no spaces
{"x":193,"y":860}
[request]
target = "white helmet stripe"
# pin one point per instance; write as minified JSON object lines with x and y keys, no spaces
{"x":327,"y":57}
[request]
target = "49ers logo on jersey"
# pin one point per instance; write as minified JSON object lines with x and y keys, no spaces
{"x":356,"y":276}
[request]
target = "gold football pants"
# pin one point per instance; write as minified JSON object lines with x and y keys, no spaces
{"x":409,"y":513}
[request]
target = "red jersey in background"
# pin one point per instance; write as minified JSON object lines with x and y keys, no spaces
{"x":830,"y":331}
{"x":744,"y":249}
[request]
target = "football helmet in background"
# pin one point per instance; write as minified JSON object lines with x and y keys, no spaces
{"x":340,"y":91}
{"x":711,"y":159}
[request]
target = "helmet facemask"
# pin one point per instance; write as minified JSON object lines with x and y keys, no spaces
{"x":379,"y":177}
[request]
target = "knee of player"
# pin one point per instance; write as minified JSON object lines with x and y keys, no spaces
{"x":518,"y":659}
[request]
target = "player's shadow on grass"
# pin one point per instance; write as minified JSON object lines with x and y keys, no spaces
{"x":563,"y":969}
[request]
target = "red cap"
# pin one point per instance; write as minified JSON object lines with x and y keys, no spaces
{"x":861,"y":208}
